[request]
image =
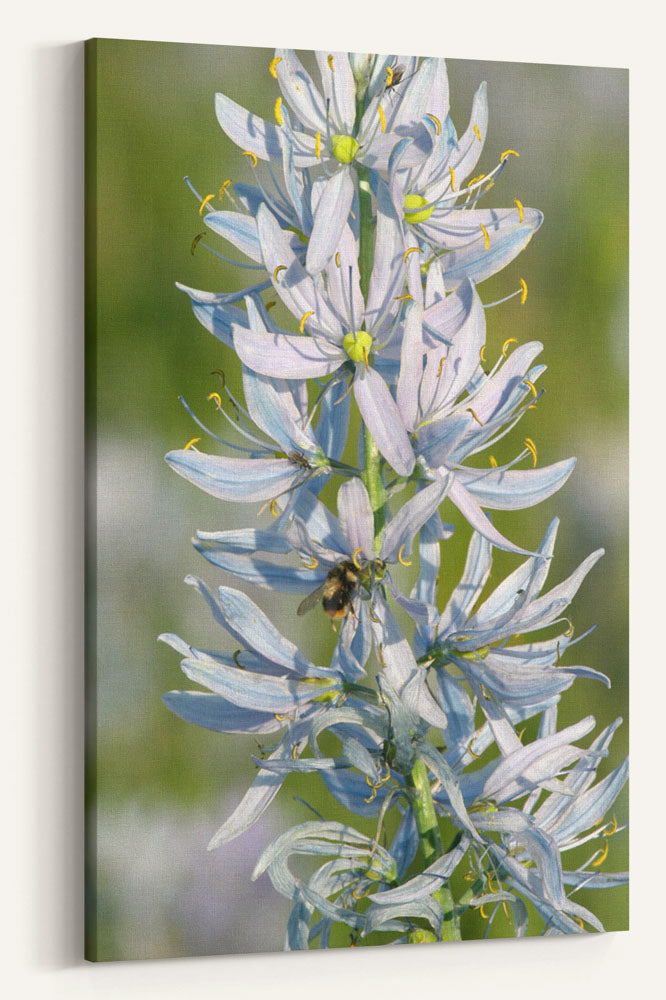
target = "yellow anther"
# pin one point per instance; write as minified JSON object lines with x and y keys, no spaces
{"x":377,"y":621}
{"x":453,"y":178}
{"x":273,"y":508}
{"x":531,"y":447}
{"x":493,"y":461}
{"x":485,"y":692}
{"x":482,"y":353}
{"x":237,"y":661}
{"x":330,"y":63}
{"x":280,"y":718}
{"x":489,"y":880}
{"x":365,"y":359}
{"x":475,"y":180}
{"x":270,"y":305}
{"x":470,"y":410}
{"x":403,"y":298}
{"x":506,"y":912}
{"x":247,"y":152}
{"x":579,"y":921}
{"x":485,"y":234}
{"x":382,"y":118}
{"x":304,"y":319}
{"x":280,"y":267}
{"x":483,"y":912}
{"x":380,"y":655}
{"x":362,"y":895}
{"x":519,"y":206}
{"x":294,"y":752}
{"x":389,"y":76}
{"x":190,"y":443}
{"x":441,"y":365}
{"x":488,"y":186}
{"x":279,"y":117}
{"x":408,"y":251}
{"x":469,"y":748}
{"x":372,"y":796}
{"x":438,"y":124}
{"x":523,"y":296}
{"x":272,"y":67}
{"x":195,"y":242}
{"x":531,"y":386}
{"x":469,"y":876}
{"x":477,"y":133}
{"x":223,"y":188}
{"x":209,"y":197}
{"x":401,"y":558}
{"x":613,"y":829}
{"x":602,"y":857}
{"x":318,"y":145}
{"x":508,"y":152}
{"x":387,"y":776}
{"x":355,"y":557}
{"x":570,"y":631}
{"x":216,"y":396}
{"x":521,"y":734}
{"x":310,"y":563}
{"x":337,"y":259}
{"x":509,"y":340}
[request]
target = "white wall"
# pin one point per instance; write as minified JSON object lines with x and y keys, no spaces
{"x":41,"y":798}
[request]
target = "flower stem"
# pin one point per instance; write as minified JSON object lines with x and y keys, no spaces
{"x":431,"y":844}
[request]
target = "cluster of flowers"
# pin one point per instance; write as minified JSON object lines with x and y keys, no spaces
{"x":364,"y":221}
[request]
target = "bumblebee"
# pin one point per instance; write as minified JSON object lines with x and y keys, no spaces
{"x":341,"y":586}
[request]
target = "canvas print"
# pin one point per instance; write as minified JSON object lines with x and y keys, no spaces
{"x":357,"y":375}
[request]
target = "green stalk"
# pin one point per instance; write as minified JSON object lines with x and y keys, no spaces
{"x":431,"y":844}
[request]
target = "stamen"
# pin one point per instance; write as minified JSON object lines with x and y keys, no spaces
{"x":272,"y":67}
{"x":531,"y":386}
{"x":470,"y":410}
{"x":318,"y":145}
{"x":504,"y":907}
{"x":216,"y":396}
{"x":195,"y":242}
{"x":274,"y":510}
{"x":372,"y":796}
{"x":304,"y":319}
{"x":579,"y":921}
{"x":237,"y":661}
{"x":508,"y":152}
{"x":441,"y":365}
{"x":557,"y":658}
{"x":247,"y":152}
{"x":475,"y":180}
{"x":377,"y":621}
{"x":523,"y":285}
{"x":380,"y":655}
{"x":389,"y":76}
{"x":209,"y":197}
{"x":190,"y":443}
{"x":493,"y":461}
{"x":453,"y":179}
{"x":485,"y":692}
{"x":355,"y":557}
{"x":435,"y":119}
{"x":269,"y":305}
{"x":477,"y":133}
{"x":218,"y":371}
{"x":509,"y":340}
{"x":408,"y":251}
{"x":310,"y":563}
{"x":294,"y":752}
{"x":224,"y":188}
{"x":401,"y":559}
{"x":483,"y":912}
{"x":279,"y":117}
{"x":403,"y":298}
{"x":382,"y":118}
{"x":337,"y":259}
{"x":570,"y":631}
{"x":519,"y":206}
{"x":485,"y":235}
{"x":361,"y":895}
{"x":469,"y":748}
{"x":489,"y":880}
{"x":521,"y":734}
{"x":482,"y":353}
{"x":531,"y":447}
{"x":280,"y":718}
{"x":280,"y":267}
{"x":330,"y":63}
{"x":613,"y":829}
{"x":602,"y":857}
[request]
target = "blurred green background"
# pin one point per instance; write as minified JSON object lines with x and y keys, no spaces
{"x":158,"y":787}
